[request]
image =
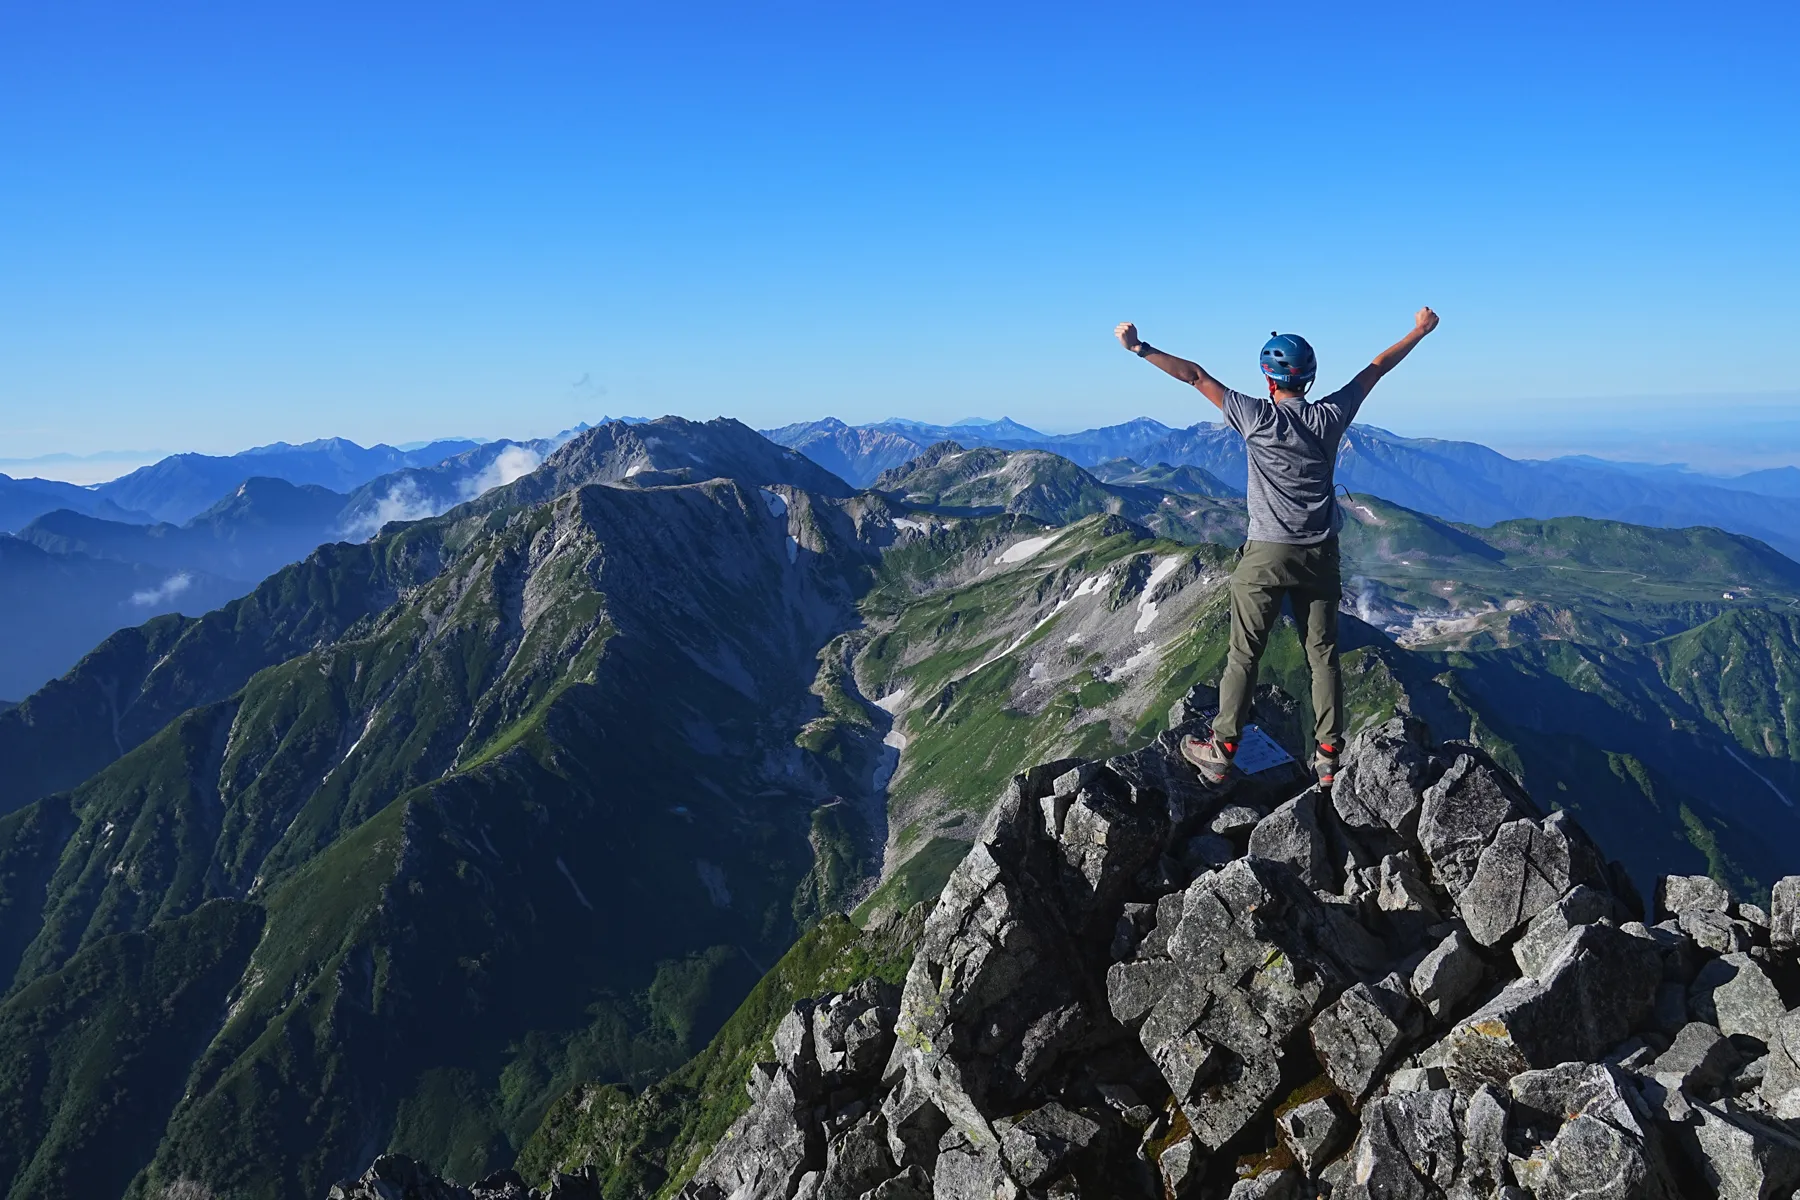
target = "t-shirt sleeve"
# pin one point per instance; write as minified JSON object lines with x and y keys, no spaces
{"x":1243,"y":413}
{"x":1342,"y":405}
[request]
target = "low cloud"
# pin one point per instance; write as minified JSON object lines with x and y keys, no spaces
{"x":402,"y":502}
{"x":514,"y":462}
{"x":164,"y":592}
{"x":407,"y":501}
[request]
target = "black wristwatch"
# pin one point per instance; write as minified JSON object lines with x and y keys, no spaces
{"x":1143,"y":349}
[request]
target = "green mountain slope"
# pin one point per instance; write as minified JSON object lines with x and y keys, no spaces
{"x":447,"y":843}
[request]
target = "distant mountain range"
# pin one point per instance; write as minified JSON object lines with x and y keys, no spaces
{"x":401,"y":847}
{"x":1459,"y":481}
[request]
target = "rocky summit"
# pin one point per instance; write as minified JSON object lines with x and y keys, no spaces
{"x":1419,"y":984}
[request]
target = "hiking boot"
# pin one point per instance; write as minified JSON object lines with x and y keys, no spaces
{"x":1212,"y":758}
{"x":1325,"y":764}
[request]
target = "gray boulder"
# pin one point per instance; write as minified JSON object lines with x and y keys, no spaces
{"x":1459,"y":815}
{"x":1358,"y":1034}
{"x":1583,"y":905}
{"x":1282,"y":1184}
{"x":1595,"y":1141}
{"x":857,"y":1161}
{"x":1314,"y":1132}
{"x":1594,"y":992}
{"x":1780,"y":1088}
{"x":1733,"y":993}
{"x":1678,"y":894}
{"x":1528,"y":867}
{"x":766,"y":1151}
{"x":910,"y":1184}
{"x":966,"y":1171}
{"x":1039,"y":1144}
{"x":1380,"y":778}
{"x":1447,"y":975}
{"x":1292,"y":835}
{"x":1739,"y":1156}
{"x":1407,"y":1149}
{"x":1784,"y":914}
{"x":1715,"y":931}
{"x":1699,"y":1060}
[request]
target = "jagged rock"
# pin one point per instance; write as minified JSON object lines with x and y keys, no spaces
{"x":1484,"y":1169}
{"x":1291,"y":835}
{"x":793,"y":1046}
{"x":1358,"y":1033}
{"x":966,"y":1171}
{"x":1526,"y":868}
{"x":766,"y":1151}
{"x":1784,"y":913}
{"x":856,"y":1161}
{"x":1399,"y":889}
{"x":397,"y":1177}
{"x":1755,"y":915}
{"x":1315,"y":1131}
{"x":1459,"y":815}
{"x":1700,"y":1059}
{"x":910,"y":1184}
{"x":1416,"y":1079}
{"x":1740,"y":1157}
{"x":1583,"y":905}
{"x":1407,"y":1149}
{"x":1180,"y":1165}
{"x":1447,"y":974}
{"x":851,"y":1033}
{"x":1780,"y":1088}
{"x":1733,"y":993}
{"x":1678,"y":894}
{"x":1602,"y":1147}
{"x":1280,"y":1184}
{"x":1380,"y":777}
{"x":1596,"y":989}
{"x":1715,"y":931}
{"x":1038,"y":1144}
{"x":1255,"y":954}
{"x":1235,"y":820}
{"x":915,"y":1124}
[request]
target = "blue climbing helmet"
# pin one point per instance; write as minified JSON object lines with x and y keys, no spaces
{"x":1288,"y":359}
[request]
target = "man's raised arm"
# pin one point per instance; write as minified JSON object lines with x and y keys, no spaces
{"x":1180,"y":368}
{"x":1424,"y":321}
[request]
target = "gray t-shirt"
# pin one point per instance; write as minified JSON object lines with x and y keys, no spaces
{"x":1292,"y":447}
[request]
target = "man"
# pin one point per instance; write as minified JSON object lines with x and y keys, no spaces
{"x":1292,"y":550}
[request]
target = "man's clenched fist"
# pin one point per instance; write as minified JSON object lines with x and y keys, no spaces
{"x":1128,"y":335}
{"x":1425,"y":321}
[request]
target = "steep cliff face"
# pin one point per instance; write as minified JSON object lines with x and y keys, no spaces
{"x":1418,"y":984}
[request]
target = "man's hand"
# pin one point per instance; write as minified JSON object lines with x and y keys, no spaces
{"x":1128,"y":336}
{"x":1424,"y":321}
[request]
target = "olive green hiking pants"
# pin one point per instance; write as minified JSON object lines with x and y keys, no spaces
{"x":1308,"y":577}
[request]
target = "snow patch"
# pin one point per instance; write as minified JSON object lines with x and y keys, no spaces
{"x":793,"y":549}
{"x":776,"y":502}
{"x":1146,"y":655}
{"x":1159,"y":571}
{"x":891,"y":702}
{"x":1093,"y":583}
{"x":1026,"y":550}
{"x":909,"y":523}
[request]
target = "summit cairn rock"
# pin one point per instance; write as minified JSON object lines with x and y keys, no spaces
{"x":1416,"y":985}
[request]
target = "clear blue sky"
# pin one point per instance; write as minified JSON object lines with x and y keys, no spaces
{"x":226,"y":224}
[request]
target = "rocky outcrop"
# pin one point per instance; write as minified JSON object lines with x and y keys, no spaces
{"x":1419,"y":986}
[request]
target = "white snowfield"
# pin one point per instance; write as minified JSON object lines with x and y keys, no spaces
{"x":1159,"y":571}
{"x":776,"y":502}
{"x":1027,"y":549}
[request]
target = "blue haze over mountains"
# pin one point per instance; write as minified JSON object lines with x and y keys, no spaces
{"x":191,"y":531}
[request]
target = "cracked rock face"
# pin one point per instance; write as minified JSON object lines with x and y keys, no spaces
{"x":1138,"y":986}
